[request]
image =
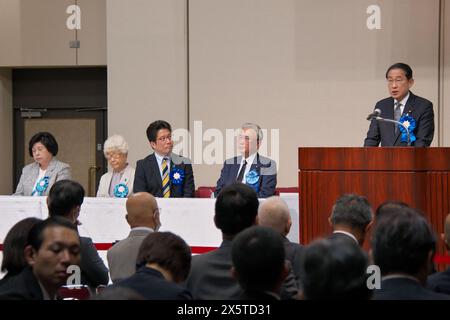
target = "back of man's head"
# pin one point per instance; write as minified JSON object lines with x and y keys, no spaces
{"x":258,"y":258}
{"x":168,"y":252}
{"x":274,"y":213}
{"x":64,"y":196}
{"x":236,"y":208}
{"x":142,"y":211}
{"x":403,"y":243}
{"x":36,"y":234}
{"x":352,"y":211}
{"x":334,"y":269}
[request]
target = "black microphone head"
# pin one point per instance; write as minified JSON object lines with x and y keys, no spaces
{"x":376,"y":112}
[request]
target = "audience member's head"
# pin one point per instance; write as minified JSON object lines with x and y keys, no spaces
{"x":117,"y":293}
{"x":352,"y":213}
{"x":334,"y":269}
{"x":274,"y":213}
{"x":258,"y":259}
{"x":143,"y":211}
{"x":446,"y":235}
{"x":387,"y":208}
{"x":14,"y":244}
{"x":236,"y":209}
{"x":167,"y":253}
{"x":53,"y":246}
{"x":65,"y":199}
{"x":404,"y":244}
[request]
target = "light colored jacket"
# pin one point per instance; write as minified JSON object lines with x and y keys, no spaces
{"x":56,"y":171}
{"x":105,"y":182}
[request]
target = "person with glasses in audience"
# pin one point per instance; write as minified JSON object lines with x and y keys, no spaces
{"x":403,"y":106}
{"x":164,"y":174}
{"x":117,"y":183}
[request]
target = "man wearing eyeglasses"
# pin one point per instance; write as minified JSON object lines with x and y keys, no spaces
{"x":163,"y":173}
{"x":403,"y":106}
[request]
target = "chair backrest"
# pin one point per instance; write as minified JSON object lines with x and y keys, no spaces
{"x":74,"y":292}
{"x":204,"y":192}
{"x":286,"y":190}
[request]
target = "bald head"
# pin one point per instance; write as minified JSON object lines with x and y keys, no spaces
{"x":142,"y":211}
{"x":274,"y":213}
{"x":447,"y":230}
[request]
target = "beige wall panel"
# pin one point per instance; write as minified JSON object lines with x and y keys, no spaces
{"x":311,"y":69}
{"x":146,"y":56}
{"x":92,"y":35}
{"x":10,"y":33}
{"x":6,"y":133}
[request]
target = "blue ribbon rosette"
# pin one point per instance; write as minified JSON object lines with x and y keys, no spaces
{"x":410,"y":123}
{"x":121,"y":190}
{"x":41,"y":186}
{"x":177,"y":176}
{"x":251,"y":179}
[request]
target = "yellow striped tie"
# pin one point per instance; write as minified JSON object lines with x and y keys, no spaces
{"x":165,"y":179}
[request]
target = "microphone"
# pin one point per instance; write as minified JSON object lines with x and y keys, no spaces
{"x":374,"y":114}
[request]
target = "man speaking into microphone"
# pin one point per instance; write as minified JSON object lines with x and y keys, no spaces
{"x":414,"y":112}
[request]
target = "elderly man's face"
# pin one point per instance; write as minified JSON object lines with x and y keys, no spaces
{"x":117,"y":160}
{"x":248,"y":142}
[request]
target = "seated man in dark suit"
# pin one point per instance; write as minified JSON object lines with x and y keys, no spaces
{"x":351,"y":218}
{"x":259,"y":263}
{"x":163,"y":174}
{"x":403,"y":247}
{"x":52,"y":246}
{"x":164,"y":259}
{"x":403,"y":106}
{"x":440,"y":281}
{"x":250,"y":167}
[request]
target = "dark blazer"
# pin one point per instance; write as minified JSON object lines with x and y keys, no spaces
{"x":405,"y":289}
{"x":384,"y":132}
{"x":93,"y":270}
{"x":148,"y":177}
{"x":151,"y":285}
{"x":23,"y":286}
{"x":265,"y":167}
{"x":439,"y":282}
{"x":294,"y":253}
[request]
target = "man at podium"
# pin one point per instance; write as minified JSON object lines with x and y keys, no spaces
{"x":403,"y":106}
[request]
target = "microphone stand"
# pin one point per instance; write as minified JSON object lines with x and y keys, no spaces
{"x":396,"y":122}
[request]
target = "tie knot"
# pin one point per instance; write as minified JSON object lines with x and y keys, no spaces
{"x":398,"y":104}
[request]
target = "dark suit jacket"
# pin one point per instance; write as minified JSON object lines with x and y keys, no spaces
{"x":151,"y":285}
{"x":439,"y":282}
{"x":23,"y":286}
{"x":265,"y":167}
{"x":148,"y":177}
{"x":93,"y":270}
{"x":405,"y":289}
{"x":294,"y":252}
{"x":383,"y":132}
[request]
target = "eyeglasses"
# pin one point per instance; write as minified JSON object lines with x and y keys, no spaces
{"x":115,"y":155}
{"x":163,"y":139}
{"x":398,"y":81}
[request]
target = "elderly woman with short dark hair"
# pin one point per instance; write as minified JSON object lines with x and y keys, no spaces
{"x":117,"y":183}
{"x":38,"y":177}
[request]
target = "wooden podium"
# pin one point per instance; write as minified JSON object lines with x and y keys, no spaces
{"x":418,"y":176}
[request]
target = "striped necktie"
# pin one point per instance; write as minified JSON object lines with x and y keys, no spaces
{"x":165,"y":179}
{"x":397,"y":114}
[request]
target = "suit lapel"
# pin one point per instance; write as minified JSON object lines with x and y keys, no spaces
{"x":235,"y":168}
{"x":408,"y":109}
{"x":154,"y":166}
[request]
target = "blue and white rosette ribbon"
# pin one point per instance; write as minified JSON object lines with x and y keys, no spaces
{"x":41,"y":186}
{"x":252,"y":179}
{"x":121,"y":190}
{"x":410,"y":123}
{"x":177,"y":176}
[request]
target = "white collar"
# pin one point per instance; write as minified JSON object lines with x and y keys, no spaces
{"x":249,"y":159}
{"x":403,"y":101}
{"x":348,"y":234}
{"x":142,"y":229}
{"x":159,"y":157}
{"x":399,"y":276}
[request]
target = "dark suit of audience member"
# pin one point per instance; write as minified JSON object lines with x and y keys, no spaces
{"x":23,"y":286}
{"x":93,"y":269}
{"x":163,"y":173}
{"x":250,"y":167}
{"x":400,"y":80}
{"x":143,"y":218}
{"x":405,"y":288}
{"x":164,"y":259}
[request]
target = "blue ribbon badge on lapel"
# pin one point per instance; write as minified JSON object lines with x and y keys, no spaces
{"x":410,"y":123}
{"x":251,"y":179}
{"x":41,"y":186}
{"x":177,"y":176}
{"x":121,"y":190}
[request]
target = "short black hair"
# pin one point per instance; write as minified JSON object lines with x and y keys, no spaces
{"x":258,"y":255}
{"x":334,"y":269}
{"x":154,"y":127}
{"x":14,"y":244}
{"x":64,"y":195}
{"x":388,"y":208}
{"x":47,"y":139}
{"x":36,"y":234}
{"x":403,"y":66}
{"x":401,"y":243}
{"x":352,"y":210}
{"x":167,"y":250}
{"x":236,"y":208}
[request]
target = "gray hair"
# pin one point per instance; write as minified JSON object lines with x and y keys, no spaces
{"x":254,"y":127}
{"x":115,"y":143}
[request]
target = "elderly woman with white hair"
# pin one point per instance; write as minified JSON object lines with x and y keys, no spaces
{"x":117,"y":183}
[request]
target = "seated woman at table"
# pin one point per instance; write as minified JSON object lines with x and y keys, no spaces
{"x":38,"y":177}
{"x":117,"y":183}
